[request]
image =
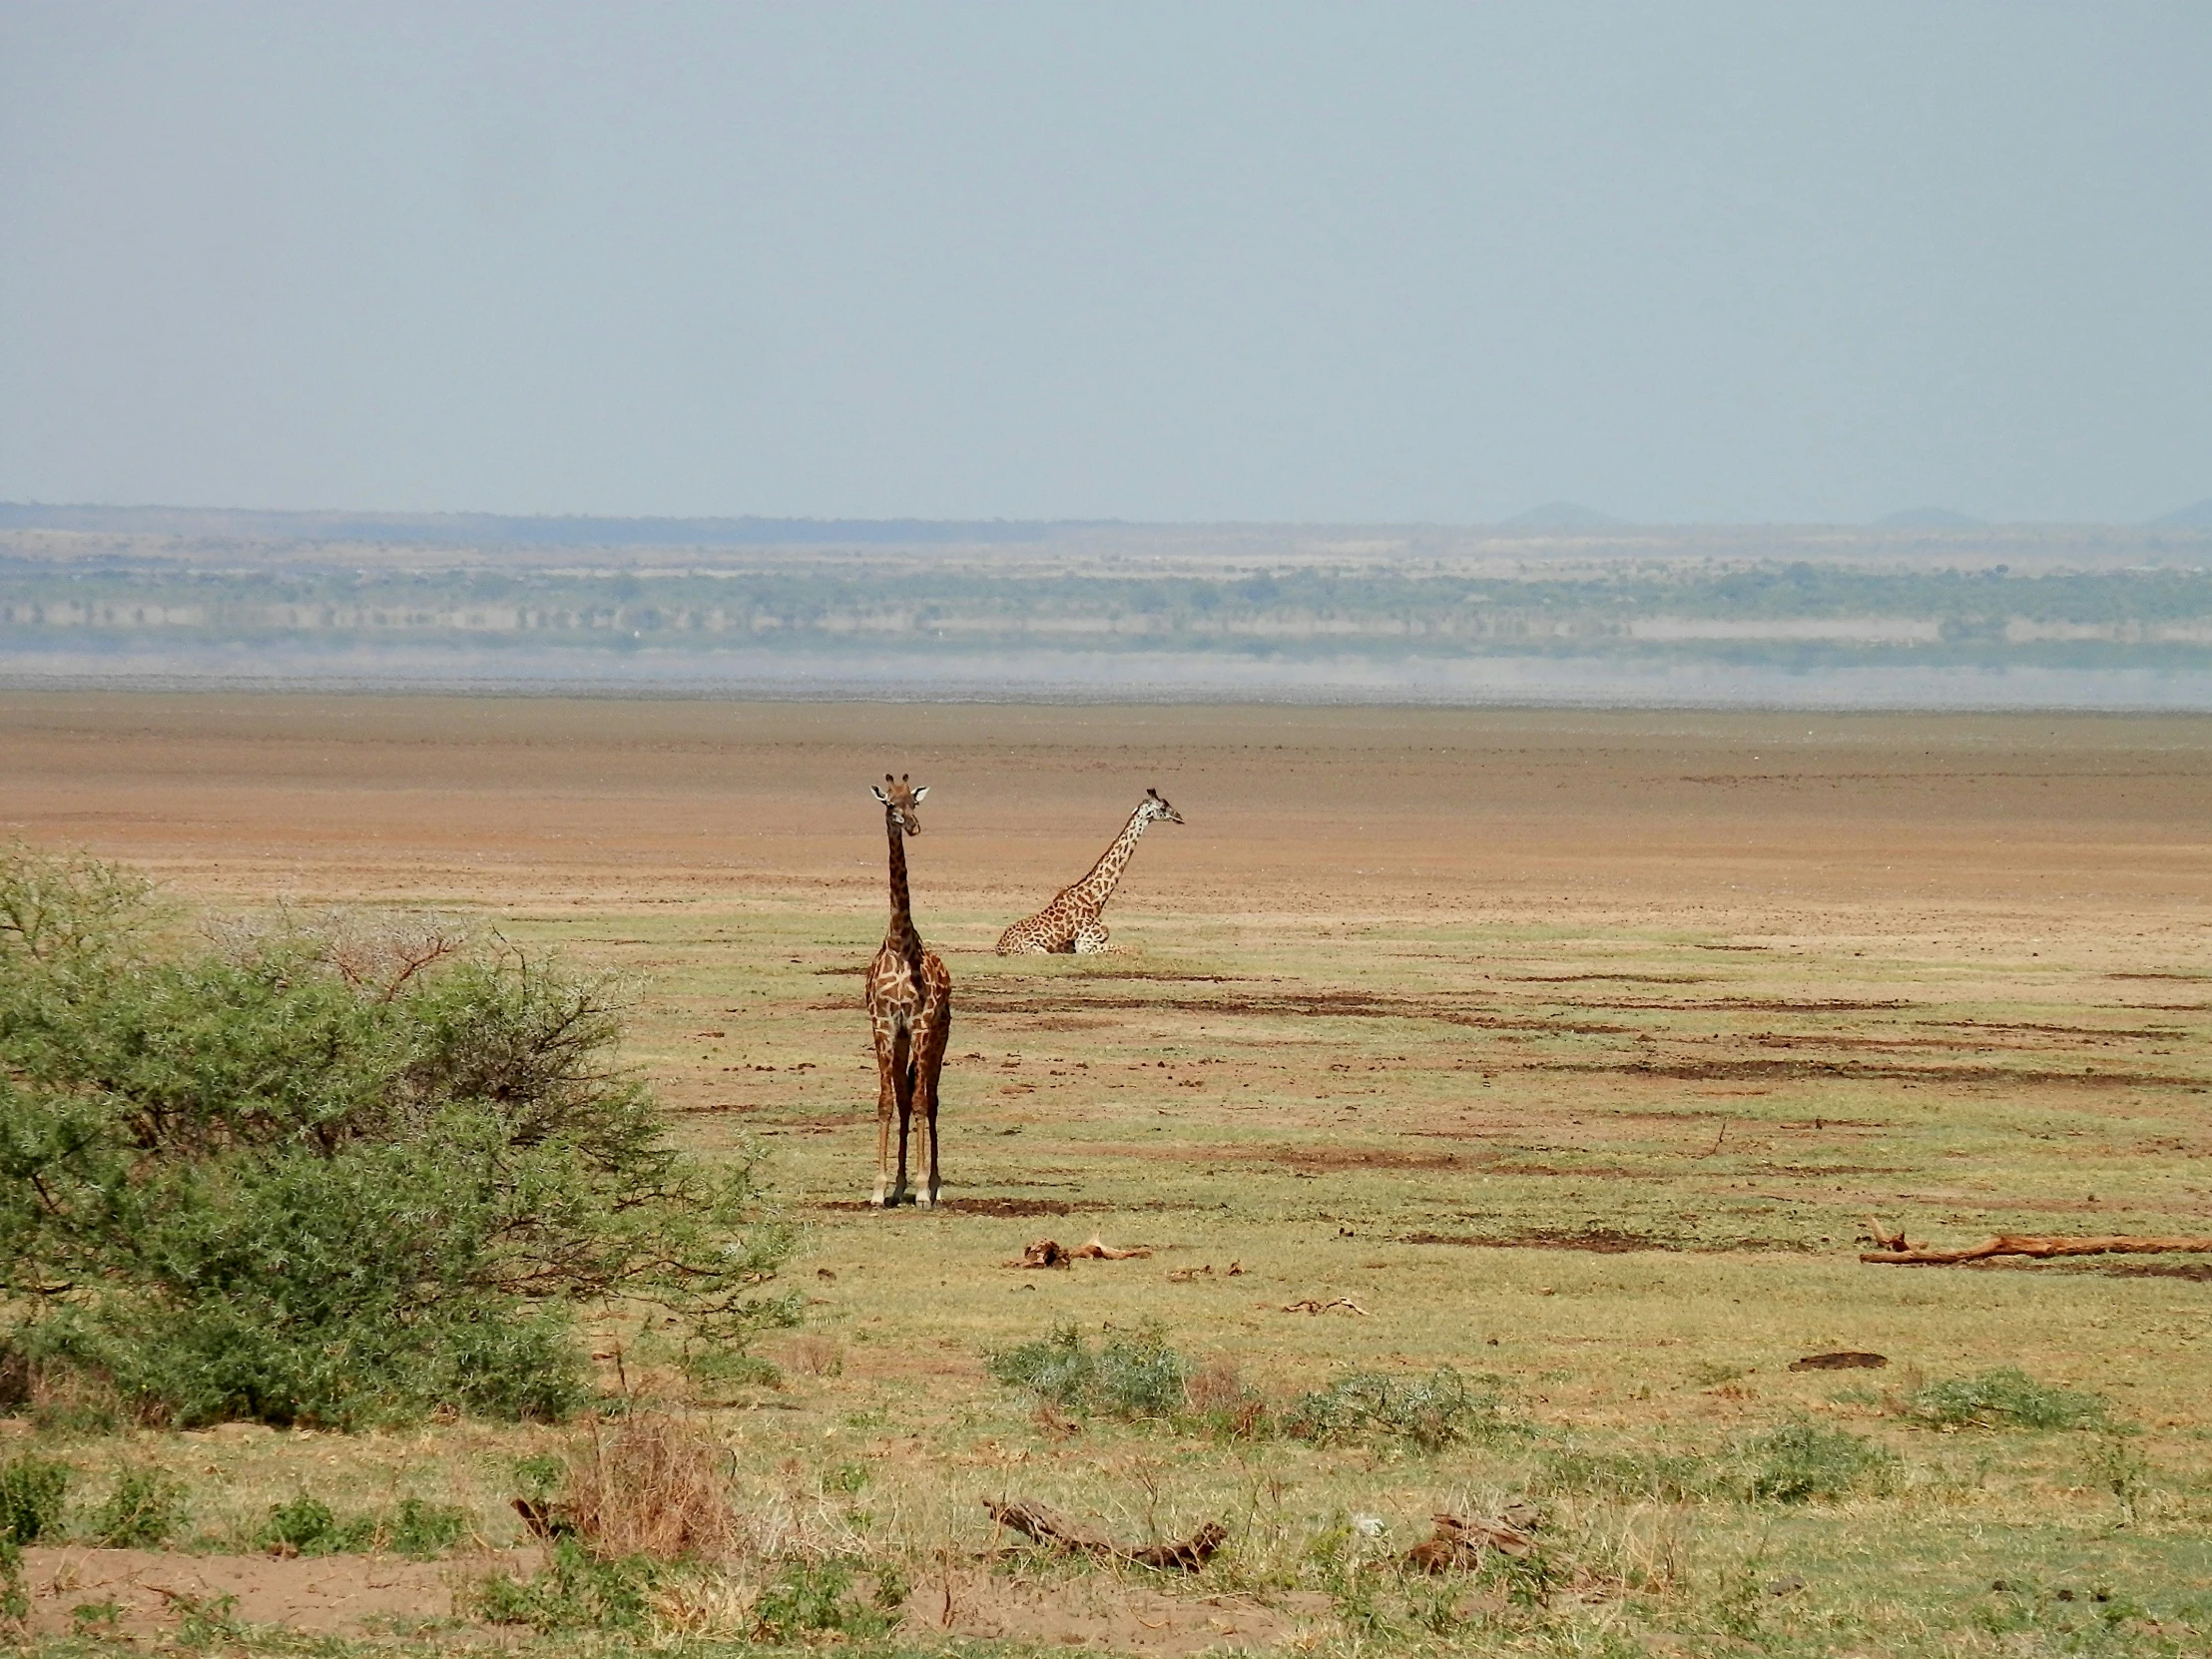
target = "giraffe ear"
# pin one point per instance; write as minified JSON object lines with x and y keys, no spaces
{"x":877,"y":792}
{"x":1155,"y":794}
{"x":921,"y":794}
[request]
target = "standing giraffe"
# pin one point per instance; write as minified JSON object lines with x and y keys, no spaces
{"x":909,"y":1003}
{"x":1071,"y":923}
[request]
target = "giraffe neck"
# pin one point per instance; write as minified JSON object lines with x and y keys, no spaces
{"x":1098,"y":887}
{"x":903,"y":915}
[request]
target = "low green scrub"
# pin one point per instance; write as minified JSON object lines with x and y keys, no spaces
{"x":2005,"y":1398}
{"x":1133,"y":1376}
{"x":144,"y":1510}
{"x":812,"y":1598}
{"x":416,"y":1529}
{"x":1635,"y":1476}
{"x":1139,"y":1377}
{"x":338,"y":1175}
{"x":1800,"y":1462}
{"x":15,"y":1602}
{"x":32,"y":1493}
{"x":574,"y":1590}
{"x":1425,"y":1413}
{"x":1805,"y":1462}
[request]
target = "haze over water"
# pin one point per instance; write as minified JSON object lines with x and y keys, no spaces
{"x":961,"y":294}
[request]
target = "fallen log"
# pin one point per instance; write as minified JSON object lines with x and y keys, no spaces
{"x":1050,"y":1252}
{"x":1310,"y":1306}
{"x":2040,"y":1247}
{"x":1047,"y":1525}
{"x":1843,"y":1359}
{"x":1098,"y":1251}
{"x":1457,"y":1543}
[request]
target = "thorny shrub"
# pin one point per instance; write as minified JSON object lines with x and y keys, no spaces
{"x":316,"y":1174}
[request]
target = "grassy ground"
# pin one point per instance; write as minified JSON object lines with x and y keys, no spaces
{"x":1599,"y":1139}
{"x":1611,"y":1179}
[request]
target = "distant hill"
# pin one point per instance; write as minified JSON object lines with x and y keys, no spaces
{"x":2198,"y":517}
{"x":1929,"y":518}
{"x":1563,"y":516}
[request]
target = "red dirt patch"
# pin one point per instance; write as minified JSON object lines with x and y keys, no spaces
{"x":1010,"y":1207}
{"x":338,"y":1595}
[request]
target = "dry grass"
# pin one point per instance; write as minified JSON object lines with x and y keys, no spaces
{"x":658,"y":1486}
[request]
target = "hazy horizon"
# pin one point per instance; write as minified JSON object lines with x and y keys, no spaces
{"x":1719,"y":264}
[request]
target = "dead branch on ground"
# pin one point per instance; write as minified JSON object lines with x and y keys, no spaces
{"x":1459,"y":1543}
{"x":2038,"y":1246}
{"x":1310,"y":1306}
{"x":1050,"y":1252}
{"x":1049,"y":1526}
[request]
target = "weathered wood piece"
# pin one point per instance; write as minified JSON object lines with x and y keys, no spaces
{"x":1049,"y":1526}
{"x":2042,"y":1248}
{"x":1843,"y":1359}
{"x":1050,"y":1252}
{"x":1458,"y":1543}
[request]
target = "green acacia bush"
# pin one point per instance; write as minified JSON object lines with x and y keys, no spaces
{"x":322,"y":1174}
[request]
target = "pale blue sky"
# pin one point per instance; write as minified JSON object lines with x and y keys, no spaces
{"x":1179,"y":260}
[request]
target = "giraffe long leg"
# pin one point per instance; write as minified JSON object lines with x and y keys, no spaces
{"x":903,"y":1088}
{"x":930,"y":1043}
{"x":887,"y":1103}
{"x":1090,"y":939}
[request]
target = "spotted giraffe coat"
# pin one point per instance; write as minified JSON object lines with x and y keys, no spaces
{"x":1073,"y":922}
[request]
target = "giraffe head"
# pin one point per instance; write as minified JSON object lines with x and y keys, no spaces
{"x":900,"y":799}
{"x":1155,"y":806}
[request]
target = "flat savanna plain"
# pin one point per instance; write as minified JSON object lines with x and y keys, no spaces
{"x":1568,"y":1050}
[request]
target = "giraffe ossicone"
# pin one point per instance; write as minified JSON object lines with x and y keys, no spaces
{"x":910,"y":1005}
{"x":1072,"y":922}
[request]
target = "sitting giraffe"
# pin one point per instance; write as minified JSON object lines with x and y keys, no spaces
{"x":1071,"y":923}
{"x":909,"y":1003}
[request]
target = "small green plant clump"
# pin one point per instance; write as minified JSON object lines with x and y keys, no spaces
{"x":1798,"y":1463}
{"x":1130,"y":1374}
{"x":807,"y":1598}
{"x":1427,"y":1414}
{"x":144,"y":1510}
{"x":32,"y":1493}
{"x":15,"y":1602}
{"x":417,"y":1528}
{"x":574,"y":1590}
{"x":1648,"y":1475}
{"x":2005,"y":1398}
{"x":1805,"y":1462}
{"x":338,"y":1174}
